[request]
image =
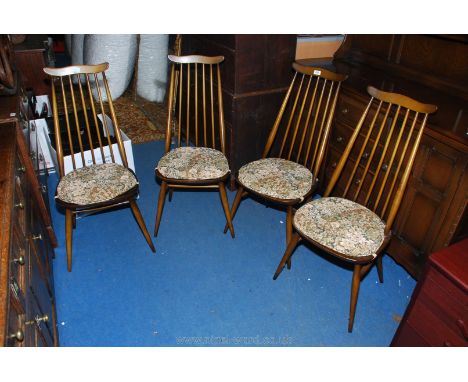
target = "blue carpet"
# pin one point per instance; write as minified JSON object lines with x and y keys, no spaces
{"x":202,"y":288}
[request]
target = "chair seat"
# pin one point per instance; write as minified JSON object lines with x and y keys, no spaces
{"x":193,"y":163}
{"x":95,"y":184}
{"x":276,"y":178}
{"x":342,"y":226}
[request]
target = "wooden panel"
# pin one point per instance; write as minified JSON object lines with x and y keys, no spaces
{"x":263,"y":62}
{"x":31,"y":58}
{"x":429,"y":55}
{"x":253,"y":118}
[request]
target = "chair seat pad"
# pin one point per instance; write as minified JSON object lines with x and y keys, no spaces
{"x":341,"y":225}
{"x":95,"y":184}
{"x":193,"y":163}
{"x":277,"y":178}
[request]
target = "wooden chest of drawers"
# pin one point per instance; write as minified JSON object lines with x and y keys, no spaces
{"x":27,"y":304}
{"x":438,"y":312}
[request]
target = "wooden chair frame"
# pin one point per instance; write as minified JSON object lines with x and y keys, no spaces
{"x":399,"y":116}
{"x":311,"y":98}
{"x":202,"y":131}
{"x":80,"y":80}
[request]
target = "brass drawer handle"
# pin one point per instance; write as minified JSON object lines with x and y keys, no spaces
{"x":19,"y":260}
{"x":365,"y":155}
{"x":345,"y":110}
{"x":339,"y":139}
{"x":36,"y":237}
{"x":22,"y":169}
{"x":38,"y":319}
{"x":334,"y":164}
{"x":19,"y":205}
{"x":385,"y":167}
{"x":18,"y":335}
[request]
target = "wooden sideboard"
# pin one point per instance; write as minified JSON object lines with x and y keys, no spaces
{"x":27,"y":303}
{"x":432,"y":69}
{"x":437,"y":314}
{"x":255,"y":75}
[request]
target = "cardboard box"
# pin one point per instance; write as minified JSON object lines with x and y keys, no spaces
{"x":50,"y":155}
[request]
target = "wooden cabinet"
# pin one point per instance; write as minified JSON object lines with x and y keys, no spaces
{"x":433,"y":212}
{"x":27,"y":304}
{"x":31,"y":57}
{"x":255,"y":75}
{"x":438,"y":311}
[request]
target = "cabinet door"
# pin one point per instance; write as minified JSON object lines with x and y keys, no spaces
{"x":425,"y":210}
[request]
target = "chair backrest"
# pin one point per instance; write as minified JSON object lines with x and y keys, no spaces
{"x":378,"y":158}
{"x":81,"y":100}
{"x":302,"y":126}
{"x":195,"y":103}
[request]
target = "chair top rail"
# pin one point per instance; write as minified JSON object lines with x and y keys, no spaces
{"x":77,"y":69}
{"x":196,"y":59}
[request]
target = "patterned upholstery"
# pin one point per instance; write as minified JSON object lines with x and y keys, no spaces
{"x":95,"y":184}
{"x":277,"y":178}
{"x":341,"y":225}
{"x":193,"y":163}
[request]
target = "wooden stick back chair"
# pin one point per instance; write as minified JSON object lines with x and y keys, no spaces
{"x":195,"y":134}
{"x":85,"y":120}
{"x":293,"y":155}
{"x":370,"y":180}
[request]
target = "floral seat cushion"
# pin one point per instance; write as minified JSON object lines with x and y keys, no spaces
{"x":95,"y":184}
{"x":341,"y":225}
{"x":277,"y":178}
{"x":193,"y":163}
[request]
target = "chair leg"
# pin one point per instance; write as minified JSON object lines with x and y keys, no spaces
{"x":295,"y":239}
{"x":354,"y":295}
{"x":162,"y":196}
{"x":141,"y":223}
{"x":68,"y":236}
{"x":380,"y":268}
{"x":235,"y":205}
{"x":289,"y":229}
{"x":227,"y":212}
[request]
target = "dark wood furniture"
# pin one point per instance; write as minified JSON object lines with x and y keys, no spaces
{"x":27,"y":304}
{"x":438,"y":311}
{"x":432,"y":69}
{"x":31,"y":56}
{"x":255,"y":75}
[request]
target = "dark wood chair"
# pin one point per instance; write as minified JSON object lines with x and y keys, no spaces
{"x":287,"y":173}
{"x":81,"y":100}
{"x":370,"y":179}
{"x":195,"y":137}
